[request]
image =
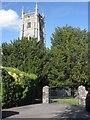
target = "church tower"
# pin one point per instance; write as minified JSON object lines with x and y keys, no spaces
{"x":32,"y":25}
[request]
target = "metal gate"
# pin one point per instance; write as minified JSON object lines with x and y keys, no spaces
{"x":57,"y":93}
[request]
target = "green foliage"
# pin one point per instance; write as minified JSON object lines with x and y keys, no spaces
{"x":17,"y":86}
{"x":69,"y":58}
{"x":65,"y":64}
{"x":28,"y":56}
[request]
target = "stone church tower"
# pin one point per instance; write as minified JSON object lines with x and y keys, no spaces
{"x":32,"y":25}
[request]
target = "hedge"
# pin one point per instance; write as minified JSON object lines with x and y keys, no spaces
{"x":18,"y":87}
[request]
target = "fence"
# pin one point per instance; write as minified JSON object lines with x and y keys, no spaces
{"x":56,"y":93}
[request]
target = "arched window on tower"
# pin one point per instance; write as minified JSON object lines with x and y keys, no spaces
{"x":29,"y":25}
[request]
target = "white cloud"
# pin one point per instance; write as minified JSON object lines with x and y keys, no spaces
{"x":9,"y":19}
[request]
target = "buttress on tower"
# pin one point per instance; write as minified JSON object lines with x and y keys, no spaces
{"x":32,"y":25}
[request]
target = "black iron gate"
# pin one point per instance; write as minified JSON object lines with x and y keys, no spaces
{"x":57,"y":93}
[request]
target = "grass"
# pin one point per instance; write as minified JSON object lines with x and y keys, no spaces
{"x":72,"y":101}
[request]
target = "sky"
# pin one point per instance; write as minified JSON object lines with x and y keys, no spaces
{"x":57,"y":14}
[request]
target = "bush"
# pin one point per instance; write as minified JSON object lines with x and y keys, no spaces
{"x":17,"y":87}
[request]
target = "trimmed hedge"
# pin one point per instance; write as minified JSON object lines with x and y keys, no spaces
{"x":18,"y":87}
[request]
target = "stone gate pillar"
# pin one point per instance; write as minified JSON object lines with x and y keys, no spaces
{"x":46,"y":94}
{"x":82,"y":92}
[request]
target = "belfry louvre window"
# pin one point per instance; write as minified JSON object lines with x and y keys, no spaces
{"x":29,"y":25}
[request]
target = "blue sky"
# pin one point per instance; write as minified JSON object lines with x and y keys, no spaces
{"x":56,"y":14}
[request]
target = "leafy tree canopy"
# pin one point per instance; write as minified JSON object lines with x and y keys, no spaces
{"x":69,"y":58}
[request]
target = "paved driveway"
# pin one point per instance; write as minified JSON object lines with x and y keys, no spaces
{"x":53,"y":110}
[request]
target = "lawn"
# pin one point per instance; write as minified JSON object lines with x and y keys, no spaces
{"x":72,"y":101}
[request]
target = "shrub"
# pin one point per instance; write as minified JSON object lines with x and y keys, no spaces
{"x":18,"y":87}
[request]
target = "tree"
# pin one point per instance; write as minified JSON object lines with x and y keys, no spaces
{"x":69,"y":57}
{"x":65,"y":64}
{"x":26,"y":55}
